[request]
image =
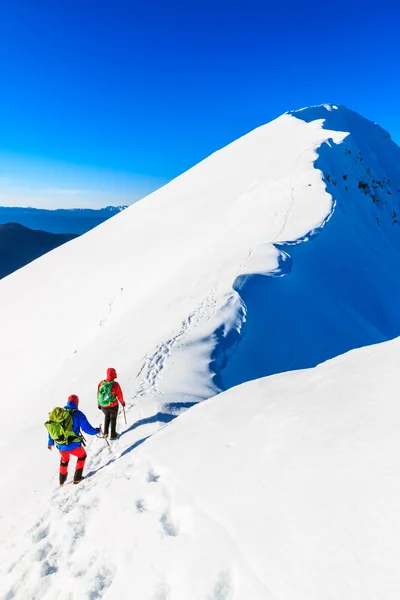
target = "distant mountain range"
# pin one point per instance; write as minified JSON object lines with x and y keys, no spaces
{"x":20,"y":245}
{"x":78,"y":220}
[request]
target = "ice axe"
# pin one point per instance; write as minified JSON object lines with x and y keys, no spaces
{"x":123,"y":408}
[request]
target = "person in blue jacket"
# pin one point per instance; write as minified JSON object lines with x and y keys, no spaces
{"x":79,"y":421}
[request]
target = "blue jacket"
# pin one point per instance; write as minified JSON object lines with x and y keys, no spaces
{"x":79,"y":421}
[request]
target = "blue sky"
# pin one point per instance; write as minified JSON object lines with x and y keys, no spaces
{"x":104,"y":101}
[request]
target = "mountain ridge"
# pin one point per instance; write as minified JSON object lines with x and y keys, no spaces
{"x":58,"y":220}
{"x":365,"y":193}
{"x":170,"y":293}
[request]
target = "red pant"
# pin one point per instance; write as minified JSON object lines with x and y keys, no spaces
{"x":80,"y":453}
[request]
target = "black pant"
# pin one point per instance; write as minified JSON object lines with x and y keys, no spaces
{"x":110,"y":416}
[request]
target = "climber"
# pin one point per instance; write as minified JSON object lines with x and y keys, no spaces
{"x":109,"y":393}
{"x":64,"y":428}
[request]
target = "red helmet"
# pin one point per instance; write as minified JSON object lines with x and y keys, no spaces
{"x":73,"y":398}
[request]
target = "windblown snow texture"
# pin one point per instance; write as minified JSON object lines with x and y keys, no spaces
{"x":339,"y":290}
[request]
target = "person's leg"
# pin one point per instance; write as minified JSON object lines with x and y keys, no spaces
{"x":113,"y":415}
{"x":64,"y":460}
{"x":106,"y":412}
{"x":80,"y":454}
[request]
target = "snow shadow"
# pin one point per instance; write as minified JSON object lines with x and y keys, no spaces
{"x":159,"y":417}
{"x":95,"y":471}
{"x":170,"y":411}
{"x":133,"y":446}
{"x":337,"y":288}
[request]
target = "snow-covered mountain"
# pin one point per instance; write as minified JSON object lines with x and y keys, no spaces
{"x":60,"y":220}
{"x":275,"y":253}
{"x":20,"y":245}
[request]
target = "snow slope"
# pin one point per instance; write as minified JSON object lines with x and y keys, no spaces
{"x":340,"y":289}
{"x":168,"y":292}
{"x":284,"y":488}
{"x":147,"y":290}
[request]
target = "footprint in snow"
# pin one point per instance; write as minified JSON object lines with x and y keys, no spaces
{"x":67,"y":504}
{"x":223,"y":588}
{"x":48,"y":568}
{"x":163,"y":592}
{"x":40,"y":532}
{"x":102,"y":582}
{"x":140,"y":505}
{"x":42,"y":552}
{"x":152,"y":477}
{"x":76,"y":533}
{"x":47,"y":556}
{"x":168,"y":525}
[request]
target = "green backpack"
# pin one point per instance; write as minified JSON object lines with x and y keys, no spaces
{"x":104,"y":396}
{"x":60,"y":424}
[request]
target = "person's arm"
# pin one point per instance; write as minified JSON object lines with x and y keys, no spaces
{"x":50,"y":443}
{"x":86,"y":426}
{"x":116,"y":388}
{"x":98,"y":387}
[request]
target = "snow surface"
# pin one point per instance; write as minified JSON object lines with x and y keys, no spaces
{"x":231,"y":500}
{"x":282,"y":488}
{"x":343,"y":291}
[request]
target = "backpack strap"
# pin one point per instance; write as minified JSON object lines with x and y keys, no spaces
{"x":77,"y":436}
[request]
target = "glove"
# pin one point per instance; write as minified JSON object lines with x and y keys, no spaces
{"x":50,"y":447}
{"x":99,"y":407}
{"x":123,"y":403}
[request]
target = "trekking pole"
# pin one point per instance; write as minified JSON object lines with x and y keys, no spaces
{"x":123,"y":408}
{"x":101,"y":435}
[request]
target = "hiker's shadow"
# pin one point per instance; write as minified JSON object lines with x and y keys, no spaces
{"x":107,"y":464}
{"x":159,"y":417}
{"x":171,"y":411}
{"x":133,"y":446}
{"x":114,"y":458}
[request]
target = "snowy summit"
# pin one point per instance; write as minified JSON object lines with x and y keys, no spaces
{"x":271,"y":256}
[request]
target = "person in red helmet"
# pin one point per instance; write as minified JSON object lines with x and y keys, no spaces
{"x":67,"y":436}
{"x":109,"y":394}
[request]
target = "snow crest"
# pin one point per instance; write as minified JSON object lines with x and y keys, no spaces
{"x":275,"y":253}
